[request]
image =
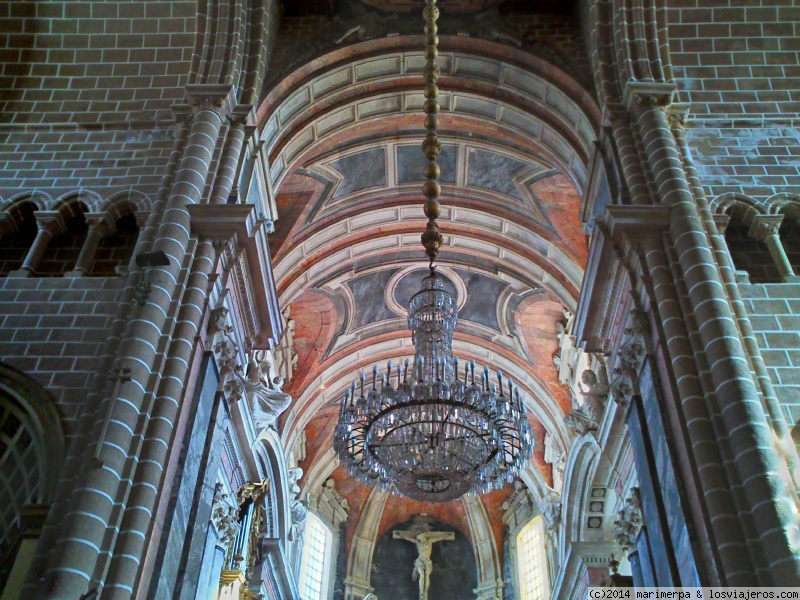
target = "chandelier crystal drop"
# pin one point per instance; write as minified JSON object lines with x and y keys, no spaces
{"x":433,"y":429}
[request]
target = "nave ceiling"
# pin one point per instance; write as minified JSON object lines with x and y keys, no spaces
{"x":343,"y":135}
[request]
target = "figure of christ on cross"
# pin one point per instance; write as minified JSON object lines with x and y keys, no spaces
{"x":424,"y":540}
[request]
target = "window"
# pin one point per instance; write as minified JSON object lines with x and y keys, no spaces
{"x":316,"y":557}
{"x":532,"y":561}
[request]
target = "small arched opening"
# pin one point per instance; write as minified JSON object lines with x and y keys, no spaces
{"x":16,"y":237}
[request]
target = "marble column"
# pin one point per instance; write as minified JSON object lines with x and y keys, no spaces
{"x":50,"y":223}
{"x":766,"y":228}
{"x":99,"y":227}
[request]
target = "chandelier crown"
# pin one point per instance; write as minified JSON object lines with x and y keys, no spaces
{"x":429,"y":430}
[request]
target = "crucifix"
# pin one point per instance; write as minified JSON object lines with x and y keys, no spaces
{"x":424,"y":539}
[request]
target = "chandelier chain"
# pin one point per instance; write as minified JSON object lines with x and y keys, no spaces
{"x":428,"y":430}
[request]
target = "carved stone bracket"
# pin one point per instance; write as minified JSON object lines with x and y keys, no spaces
{"x":328,"y":504}
{"x":580,"y":421}
{"x":629,"y":521}
{"x":629,"y":358}
{"x":224,"y":516}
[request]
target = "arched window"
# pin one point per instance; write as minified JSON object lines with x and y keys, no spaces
{"x":116,"y":248}
{"x":31,"y":449}
{"x":532,"y":561}
{"x":315,"y":566}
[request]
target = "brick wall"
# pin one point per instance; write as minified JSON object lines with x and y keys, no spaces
{"x":558,"y":36}
{"x":775,"y":314}
{"x":55,"y":329}
{"x":85,"y":93}
{"x":736,"y":62}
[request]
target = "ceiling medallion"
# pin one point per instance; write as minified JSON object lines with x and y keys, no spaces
{"x":430,"y":430}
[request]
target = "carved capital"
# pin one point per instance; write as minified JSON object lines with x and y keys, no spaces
{"x":50,"y":221}
{"x":722,"y":221}
{"x":214,"y":97}
{"x":764,"y":226}
{"x":678,"y":115}
{"x":648,"y":94}
{"x":240,"y":113}
{"x":100,"y":222}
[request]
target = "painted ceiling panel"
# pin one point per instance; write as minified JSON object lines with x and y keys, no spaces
{"x":493,"y":171}
{"x":411,"y":161}
{"x":361,"y":171}
{"x":367,"y":291}
{"x":482,"y":300}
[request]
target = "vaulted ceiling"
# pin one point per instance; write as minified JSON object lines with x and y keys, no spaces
{"x":343,"y":135}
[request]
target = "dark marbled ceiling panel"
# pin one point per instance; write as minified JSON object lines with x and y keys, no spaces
{"x":493,"y":171}
{"x":361,"y":171}
{"x":411,"y":161}
{"x":482,"y":299}
{"x":370,"y":306}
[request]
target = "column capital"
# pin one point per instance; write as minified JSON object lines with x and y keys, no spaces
{"x":99,"y":221}
{"x":649,"y":94}
{"x":722,"y":221}
{"x":50,"y":221}
{"x":141,"y":218}
{"x":764,"y":226}
{"x":678,"y":114}
{"x":217,"y":98}
{"x":240,"y":114}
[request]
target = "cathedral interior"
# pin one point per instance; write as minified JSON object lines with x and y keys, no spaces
{"x":210,"y":224}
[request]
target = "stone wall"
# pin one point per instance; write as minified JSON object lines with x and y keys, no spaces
{"x":736,"y":62}
{"x":55,"y":330}
{"x":774,"y":311}
{"x":85,"y":93}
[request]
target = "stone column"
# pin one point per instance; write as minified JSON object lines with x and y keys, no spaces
{"x":50,"y":223}
{"x":98,"y":228}
{"x":743,"y":425}
{"x":229,"y":164}
{"x":766,"y":228}
{"x":141,"y":419}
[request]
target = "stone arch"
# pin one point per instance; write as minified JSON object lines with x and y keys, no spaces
{"x":738,"y":218}
{"x":89,"y":199}
{"x":32,"y":446}
{"x":546,"y":105}
{"x":269,"y":449}
{"x":121,"y":202}
{"x":359,"y":561}
{"x":581,"y":463}
{"x":41,"y":200}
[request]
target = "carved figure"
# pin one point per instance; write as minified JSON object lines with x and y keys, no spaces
{"x":424,"y":541}
{"x":595,"y":398}
{"x":581,"y":421}
{"x":267,"y":398}
{"x":285,"y":356}
{"x":551,"y":509}
{"x":297,"y":507}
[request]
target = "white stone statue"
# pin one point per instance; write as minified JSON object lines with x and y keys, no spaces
{"x":595,"y":397}
{"x":265,"y":395}
{"x":298,"y":508}
{"x":285,"y":356}
{"x":424,"y":539}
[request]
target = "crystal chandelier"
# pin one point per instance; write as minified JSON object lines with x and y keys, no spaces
{"x":432,"y":430}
